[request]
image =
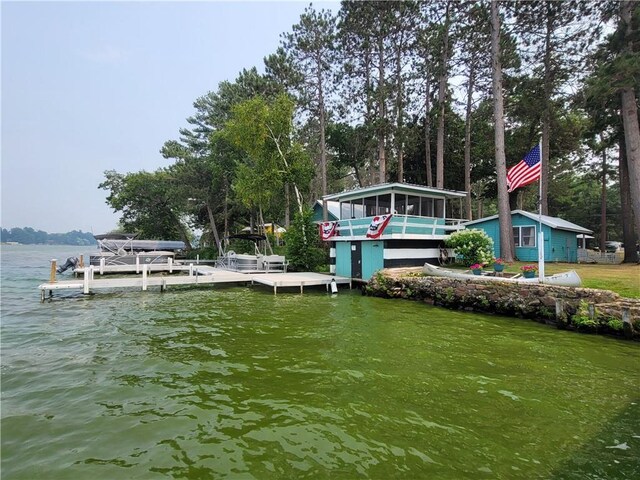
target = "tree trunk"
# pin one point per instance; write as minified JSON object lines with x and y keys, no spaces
{"x":629,"y":236}
{"x":212,"y":224}
{"x":427,"y":134}
{"x":546,"y":117}
{"x":632,"y":143}
{"x":323,"y":146}
{"x":226,"y":208}
{"x":399,"y":113}
{"x":603,"y":201}
{"x":442,"y":93}
{"x":630,"y":120}
{"x":264,"y":232}
{"x":287,"y":206}
{"x":467,"y":142}
{"x":382,"y":114}
{"x":504,"y":212}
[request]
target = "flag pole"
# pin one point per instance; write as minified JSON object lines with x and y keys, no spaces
{"x":540,"y":232}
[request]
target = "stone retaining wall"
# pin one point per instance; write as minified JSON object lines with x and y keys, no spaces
{"x":581,"y":309}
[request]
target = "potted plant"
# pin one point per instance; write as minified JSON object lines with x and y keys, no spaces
{"x":529,"y":271}
{"x":476,"y":268}
{"x":498,"y":265}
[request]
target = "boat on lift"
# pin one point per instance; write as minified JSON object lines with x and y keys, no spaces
{"x":127,"y":249}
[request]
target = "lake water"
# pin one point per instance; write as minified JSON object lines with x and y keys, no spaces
{"x":235,"y":382}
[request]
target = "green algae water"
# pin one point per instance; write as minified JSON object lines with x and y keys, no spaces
{"x":238,"y":383}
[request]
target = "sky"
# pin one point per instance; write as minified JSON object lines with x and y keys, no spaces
{"x":95,"y":86}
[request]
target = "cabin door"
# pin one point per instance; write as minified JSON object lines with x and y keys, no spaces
{"x":356,"y":259}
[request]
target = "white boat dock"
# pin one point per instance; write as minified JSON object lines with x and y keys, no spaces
{"x":195,"y":275}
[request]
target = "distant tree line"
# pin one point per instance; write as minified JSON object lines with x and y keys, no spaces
{"x":441,"y":93}
{"x":29,"y":236}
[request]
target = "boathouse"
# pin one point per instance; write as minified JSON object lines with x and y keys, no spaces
{"x":388,"y":225}
{"x":560,"y":236}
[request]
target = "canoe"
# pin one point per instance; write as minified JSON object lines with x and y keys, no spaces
{"x":565,"y":279}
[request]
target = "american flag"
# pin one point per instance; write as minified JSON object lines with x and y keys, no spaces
{"x":525,"y":172}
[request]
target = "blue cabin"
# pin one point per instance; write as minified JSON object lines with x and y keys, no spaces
{"x":560,"y":236}
{"x":388,"y":225}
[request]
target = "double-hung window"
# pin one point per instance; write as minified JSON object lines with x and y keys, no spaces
{"x":524,"y":236}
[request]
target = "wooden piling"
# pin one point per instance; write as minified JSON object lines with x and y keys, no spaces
{"x":52,"y":277}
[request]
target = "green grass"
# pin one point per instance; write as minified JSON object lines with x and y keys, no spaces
{"x":623,"y":279}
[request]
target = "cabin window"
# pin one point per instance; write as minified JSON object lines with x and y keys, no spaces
{"x":524,"y":236}
{"x":400,"y":204}
{"x":345,"y":210}
{"x":426,"y":207}
{"x":384,"y":204}
{"x":357,"y":209}
{"x":413,"y":206}
{"x":370,"y":206}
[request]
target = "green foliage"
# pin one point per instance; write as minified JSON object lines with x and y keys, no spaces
{"x":148,"y":204}
{"x":29,"y":236}
{"x":582,"y":320}
{"x":303,"y":243}
{"x":615,"y":324}
{"x":471,"y":246}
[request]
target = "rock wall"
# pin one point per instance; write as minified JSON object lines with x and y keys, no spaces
{"x":581,"y":309}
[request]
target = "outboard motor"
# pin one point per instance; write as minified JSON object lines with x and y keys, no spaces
{"x":72,"y":262}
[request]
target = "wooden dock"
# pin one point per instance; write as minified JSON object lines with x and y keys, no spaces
{"x":193,"y":275}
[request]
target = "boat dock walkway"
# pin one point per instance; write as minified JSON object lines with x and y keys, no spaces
{"x":197,"y":275}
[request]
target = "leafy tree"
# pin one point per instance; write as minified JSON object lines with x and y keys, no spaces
{"x":303,"y":250}
{"x":310,"y":48}
{"x":148,"y":205}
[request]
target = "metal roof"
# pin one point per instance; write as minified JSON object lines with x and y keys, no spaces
{"x":384,"y":188}
{"x":553,"y":222}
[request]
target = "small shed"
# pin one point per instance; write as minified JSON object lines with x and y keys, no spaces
{"x":560,"y":236}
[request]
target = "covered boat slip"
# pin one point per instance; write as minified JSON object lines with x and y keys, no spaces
{"x":414,"y":231}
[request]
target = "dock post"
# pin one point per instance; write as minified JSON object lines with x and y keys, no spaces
{"x":102,"y":262}
{"x":52,"y":277}
{"x":198,"y":259}
{"x":191,"y":269}
{"x":170,"y":262}
{"x":163,"y":285}
{"x":144,"y":277}
{"x":85,"y":280}
{"x":627,"y":326}
{"x":301,"y":287}
{"x":81,"y":262}
{"x":561,"y":316}
{"x":137,"y":263}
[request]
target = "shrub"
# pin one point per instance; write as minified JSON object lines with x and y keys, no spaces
{"x":471,"y":246}
{"x":303,"y":243}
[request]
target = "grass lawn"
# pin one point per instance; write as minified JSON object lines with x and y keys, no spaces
{"x":623,"y":279}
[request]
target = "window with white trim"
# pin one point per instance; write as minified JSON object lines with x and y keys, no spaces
{"x":524,"y":236}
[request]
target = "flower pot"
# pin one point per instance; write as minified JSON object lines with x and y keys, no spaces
{"x":498,"y":268}
{"x":529,"y":274}
{"x":477,"y":271}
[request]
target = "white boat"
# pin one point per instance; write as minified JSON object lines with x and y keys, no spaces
{"x":125,"y":249}
{"x":565,"y":279}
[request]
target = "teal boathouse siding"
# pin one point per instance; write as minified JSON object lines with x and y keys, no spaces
{"x":560,"y":236}
{"x":412,"y":235}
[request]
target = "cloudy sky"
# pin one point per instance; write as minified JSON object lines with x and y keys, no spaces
{"x":95,"y":86}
